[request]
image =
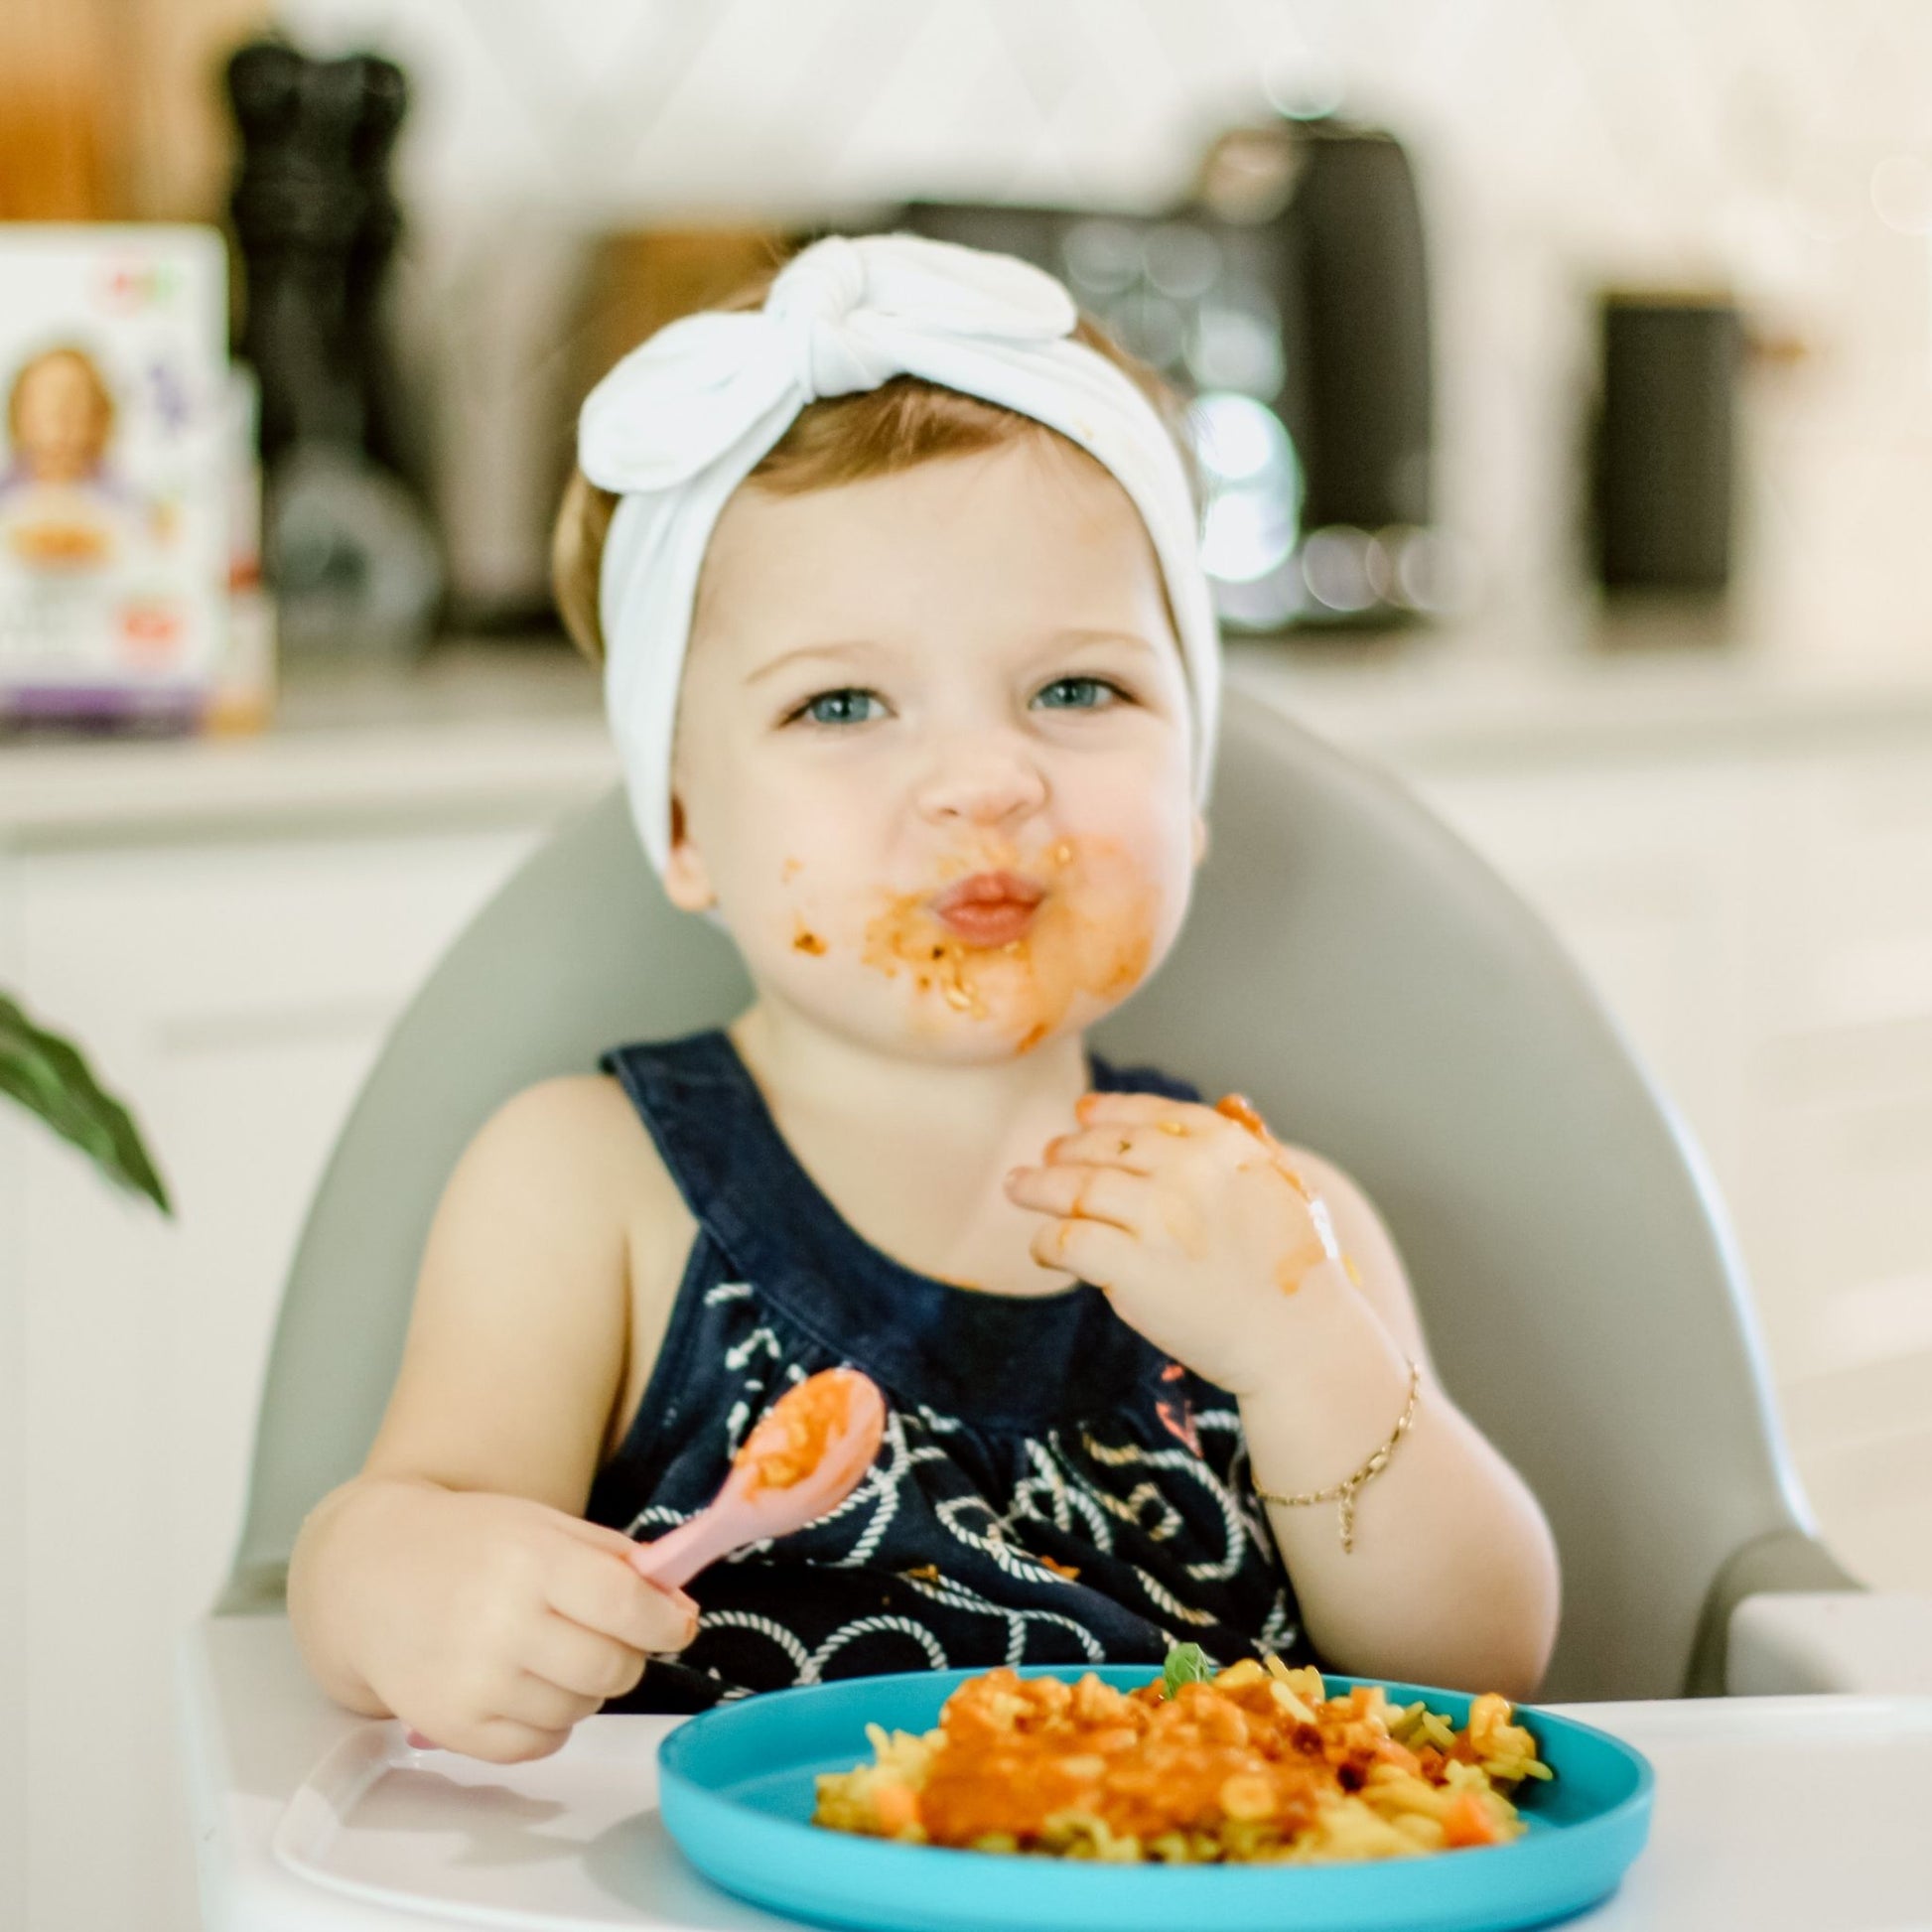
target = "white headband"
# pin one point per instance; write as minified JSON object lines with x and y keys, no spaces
{"x":683,"y":419}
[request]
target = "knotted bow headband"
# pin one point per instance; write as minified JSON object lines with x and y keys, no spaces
{"x":683,"y":419}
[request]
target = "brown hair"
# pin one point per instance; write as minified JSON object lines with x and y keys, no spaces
{"x":840,"y":439}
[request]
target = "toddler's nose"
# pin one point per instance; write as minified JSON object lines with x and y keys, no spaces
{"x":984,"y":783}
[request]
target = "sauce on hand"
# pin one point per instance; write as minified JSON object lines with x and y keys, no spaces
{"x":1240,"y":1109}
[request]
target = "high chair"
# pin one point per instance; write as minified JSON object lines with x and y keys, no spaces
{"x":1383,"y":998}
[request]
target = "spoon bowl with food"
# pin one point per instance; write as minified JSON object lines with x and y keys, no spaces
{"x":806,"y":1454}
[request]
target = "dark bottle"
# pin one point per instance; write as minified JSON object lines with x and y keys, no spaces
{"x":348,"y":547}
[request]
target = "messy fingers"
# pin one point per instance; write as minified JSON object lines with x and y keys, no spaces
{"x":1081,"y":1192}
{"x":1095,"y":1251}
{"x":1178,"y":1116}
{"x":1117,"y":1144}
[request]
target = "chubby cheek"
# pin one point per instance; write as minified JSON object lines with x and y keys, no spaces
{"x":796,"y":893}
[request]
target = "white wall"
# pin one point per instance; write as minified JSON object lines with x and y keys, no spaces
{"x":1561,"y":143}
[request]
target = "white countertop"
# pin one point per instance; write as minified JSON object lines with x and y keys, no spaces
{"x":474,"y":730}
{"x":516,"y":729}
{"x":1434,"y":705}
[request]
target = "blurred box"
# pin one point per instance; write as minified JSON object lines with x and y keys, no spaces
{"x":115,"y":472}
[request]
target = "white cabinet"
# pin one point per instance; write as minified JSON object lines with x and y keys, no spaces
{"x":236,"y":991}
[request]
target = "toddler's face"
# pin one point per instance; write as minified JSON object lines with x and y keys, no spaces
{"x":933,"y":752}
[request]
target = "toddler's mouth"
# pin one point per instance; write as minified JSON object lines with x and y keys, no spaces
{"x":991,"y":908}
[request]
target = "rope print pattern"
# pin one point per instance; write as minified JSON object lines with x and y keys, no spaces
{"x":938,"y":1558}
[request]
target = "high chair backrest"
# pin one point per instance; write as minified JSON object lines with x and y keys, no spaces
{"x":1382,"y":996}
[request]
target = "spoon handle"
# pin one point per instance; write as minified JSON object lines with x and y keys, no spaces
{"x":678,"y":1556}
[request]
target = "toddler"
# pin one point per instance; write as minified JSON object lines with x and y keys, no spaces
{"x":911,"y":661}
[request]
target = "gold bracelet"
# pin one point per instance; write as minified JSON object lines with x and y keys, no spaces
{"x":1344,"y":1492}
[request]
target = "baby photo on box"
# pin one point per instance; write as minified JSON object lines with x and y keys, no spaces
{"x":113,"y":505}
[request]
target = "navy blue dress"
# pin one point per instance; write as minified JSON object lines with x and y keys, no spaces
{"x":1052,"y":1488}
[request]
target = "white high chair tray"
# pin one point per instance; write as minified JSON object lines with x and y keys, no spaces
{"x":567,"y":1842}
{"x":1775,"y":1813}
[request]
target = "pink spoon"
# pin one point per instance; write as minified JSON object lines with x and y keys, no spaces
{"x":805,"y":1457}
{"x":807,"y":1454}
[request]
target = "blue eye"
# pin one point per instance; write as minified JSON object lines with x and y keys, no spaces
{"x":1082,"y":685}
{"x":810,"y":709}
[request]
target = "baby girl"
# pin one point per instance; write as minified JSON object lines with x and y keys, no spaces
{"x":891,"y":564}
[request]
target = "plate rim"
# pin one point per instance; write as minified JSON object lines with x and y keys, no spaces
{"x":1630,"y":1811}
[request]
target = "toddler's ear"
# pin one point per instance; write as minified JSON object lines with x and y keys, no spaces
{"x":686,"y":883}
{"x":1200,"y":838}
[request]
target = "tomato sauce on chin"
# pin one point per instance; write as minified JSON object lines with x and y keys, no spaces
{"x":1092,"y":935}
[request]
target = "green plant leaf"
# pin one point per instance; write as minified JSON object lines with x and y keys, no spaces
{"x":1186,"y":1664}
{"x":48,"y":1078}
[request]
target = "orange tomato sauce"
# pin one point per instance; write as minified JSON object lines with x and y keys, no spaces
{"x":1017,"y":1750}
{"x":1093,"y":935}
{"x":789,"y":1443}
{"x":1238,"y":1108}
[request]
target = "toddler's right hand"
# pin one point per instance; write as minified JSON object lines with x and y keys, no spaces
{"x":494,"y":1623}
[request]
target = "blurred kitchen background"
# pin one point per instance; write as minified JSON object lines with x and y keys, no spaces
{"x":1564,"y":373}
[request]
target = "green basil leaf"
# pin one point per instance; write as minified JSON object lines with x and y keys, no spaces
{"x":1188,"y":1663}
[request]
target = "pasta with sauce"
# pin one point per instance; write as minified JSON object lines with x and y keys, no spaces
{"x":1252,"y":1764}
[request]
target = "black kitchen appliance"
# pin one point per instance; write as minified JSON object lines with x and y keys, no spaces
{"x":1663,"y":469}
{"x":1288,"y":297}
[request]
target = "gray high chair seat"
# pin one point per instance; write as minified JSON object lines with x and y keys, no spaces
{"x":1385,"y":999}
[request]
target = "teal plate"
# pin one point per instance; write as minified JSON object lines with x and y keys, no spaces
{"x":736,"y":1785}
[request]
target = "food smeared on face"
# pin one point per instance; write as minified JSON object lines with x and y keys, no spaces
{"x":1016,"y":948}
{"x":805,"y":940}
{"x":789,"y":1442}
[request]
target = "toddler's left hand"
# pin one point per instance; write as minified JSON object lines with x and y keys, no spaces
{"x":1195,"y":1225}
